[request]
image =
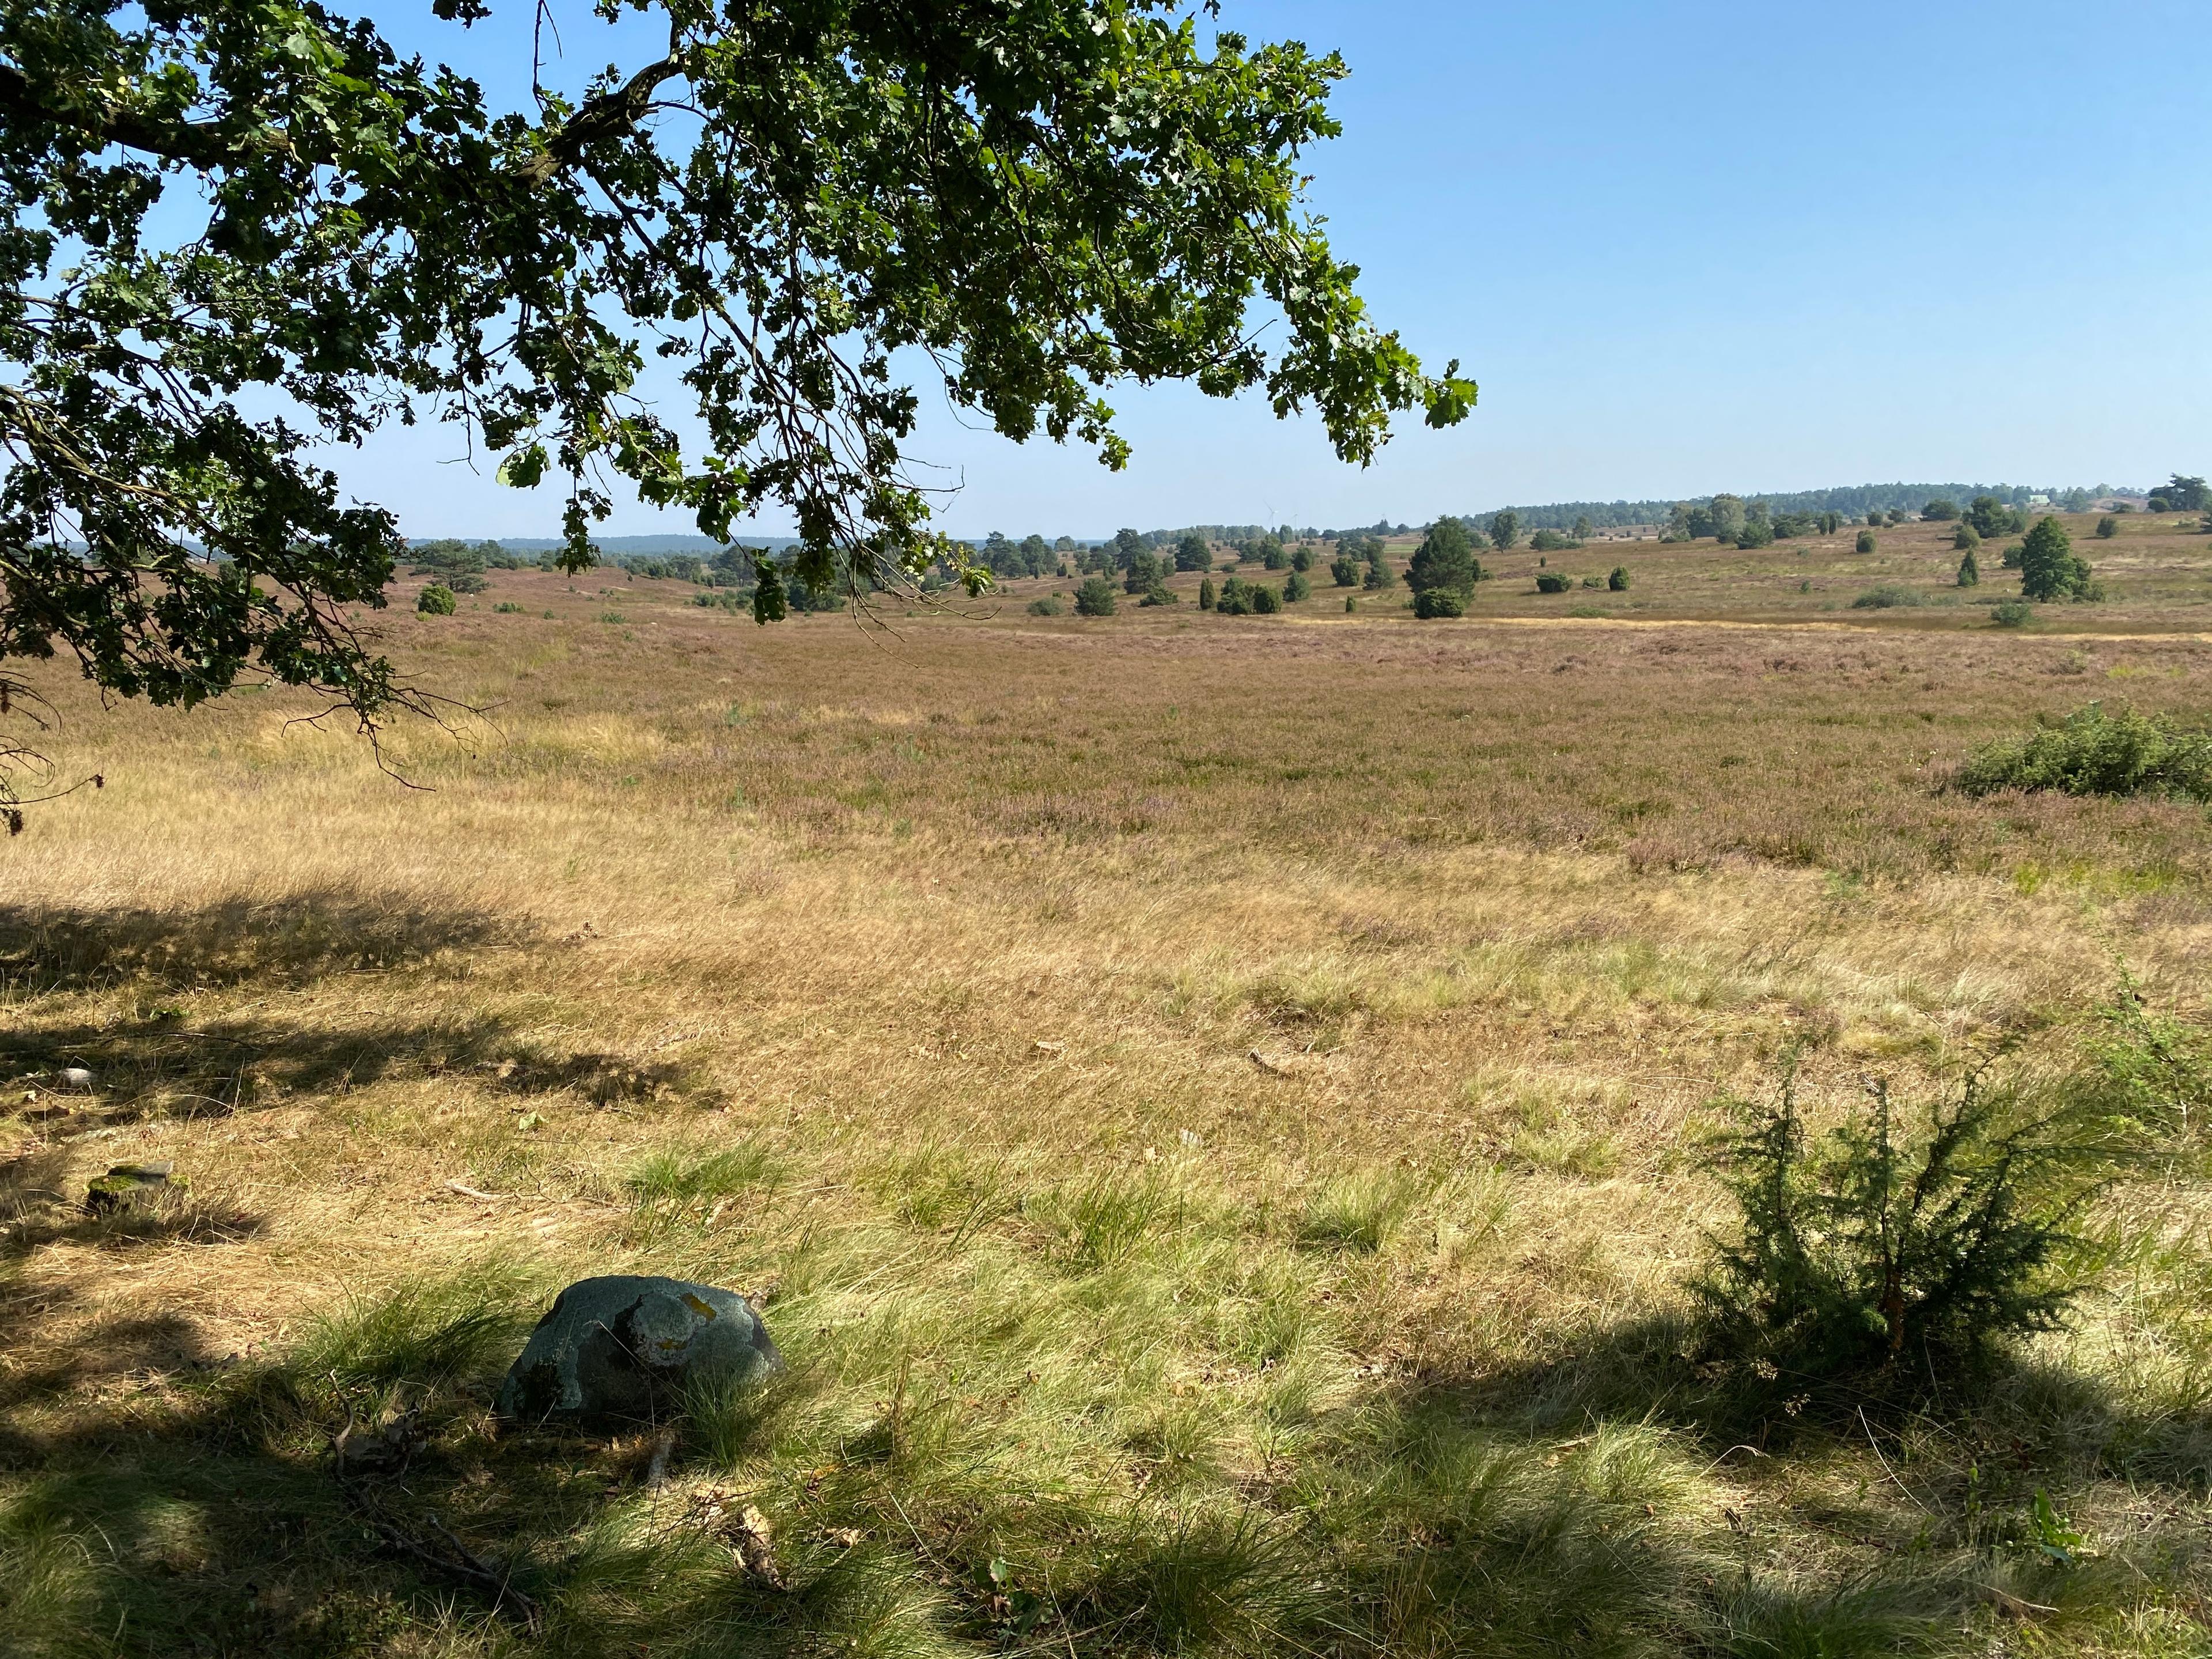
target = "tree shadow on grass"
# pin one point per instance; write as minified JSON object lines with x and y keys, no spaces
{"x":2024,"y":1414}
{"x":1960,"y":1504}
{"x":290,"y":941}
{"x":1425,"y":1517}
{"x":162,"y":1068}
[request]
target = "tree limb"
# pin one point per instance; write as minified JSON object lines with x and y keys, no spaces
{"x":201,"y":144}
{"x":614,"y":113}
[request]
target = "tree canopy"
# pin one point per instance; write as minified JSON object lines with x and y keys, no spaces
{"x":207,"y":211}
{"x":2184,"y":494}
{"x":2049,"y":566}
{"x":1445,"y":560}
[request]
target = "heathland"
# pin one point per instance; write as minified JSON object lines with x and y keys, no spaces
{"x":1209,"y":1105}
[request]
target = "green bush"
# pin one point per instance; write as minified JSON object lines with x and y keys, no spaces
{"x":2107,"y":527}
{"x":1901,"y":1248}
{"x":1991,"y":517}
{"x":1965,"y":541}
{"x":1049,"y":605}
{"x":1941,"y":510}
{"x":1550,"y":582}
{"x":2012,"y":614}
{"x":1970,"y":570}
{"x":1147,"y":571}
{"x":1298,"y":587}
{"x":1206,"y":595}
{"x":1242,"y":598}
{"x":1302,"y":558}
{"x":1866,"y":542}
{"x":1887,"y":598}
{"x":2009,"y":557}
{"x":1344,"y":570}
{"x":2092,"y":752}
{"x":1096,"y":597}
{"x":508,"y":607}
{"x":1551,"y":541}
{"x":435,"y":600}
{"x":1160,"y":593}
{"x":1618,"y":581}
{"x":1439,"y":602}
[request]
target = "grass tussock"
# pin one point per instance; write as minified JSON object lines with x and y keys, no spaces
{"x":424,"y":1333}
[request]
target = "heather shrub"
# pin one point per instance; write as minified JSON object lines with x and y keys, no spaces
{"x":2093,"y":753}
{"x":1886,"y":597}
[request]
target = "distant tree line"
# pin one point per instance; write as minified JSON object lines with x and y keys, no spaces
{"x":1854,"y":503}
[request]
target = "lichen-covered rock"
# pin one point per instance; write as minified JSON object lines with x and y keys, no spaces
{"x":625,"y":1347}
{"x":132,"y":1186}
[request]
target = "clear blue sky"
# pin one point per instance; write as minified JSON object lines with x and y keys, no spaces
{"x":1684,"y":246}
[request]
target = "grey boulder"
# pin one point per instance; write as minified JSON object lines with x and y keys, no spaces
{"x":626,"y":1347}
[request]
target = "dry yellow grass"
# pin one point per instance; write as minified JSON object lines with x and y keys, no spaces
{"x":972,"y":931}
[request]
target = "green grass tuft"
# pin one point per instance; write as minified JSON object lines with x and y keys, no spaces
{"x":1361,"y":1211}
{"x":426,"y":1334}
